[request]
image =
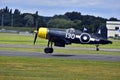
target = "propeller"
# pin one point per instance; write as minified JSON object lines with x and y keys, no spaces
{"x":37,"y":27}
{"x":36,"y":34}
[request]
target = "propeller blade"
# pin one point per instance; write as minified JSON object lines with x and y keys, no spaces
{"x":35,"y":37}
{"x":37,"y":27}
{"x":36,"y":32}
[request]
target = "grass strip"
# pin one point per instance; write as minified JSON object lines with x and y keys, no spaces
{"x":12,"y":68}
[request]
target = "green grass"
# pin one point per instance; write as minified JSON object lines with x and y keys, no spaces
{"x":19,"y":68}
{"x":18,"y":28}
{"x":8,"y":38}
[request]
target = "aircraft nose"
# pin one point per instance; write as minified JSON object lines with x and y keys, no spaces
{"x":42,"y":33}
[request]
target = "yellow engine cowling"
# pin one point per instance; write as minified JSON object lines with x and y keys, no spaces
{"x":42,"y":32}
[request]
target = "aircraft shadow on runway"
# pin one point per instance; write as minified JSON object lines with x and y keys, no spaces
{"x":62,"y":55}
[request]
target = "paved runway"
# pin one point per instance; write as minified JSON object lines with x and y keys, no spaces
{"x":68,"y":48}
{"x":60,"y":55}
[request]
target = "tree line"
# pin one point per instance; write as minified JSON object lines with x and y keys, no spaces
{"x":76,"y":20}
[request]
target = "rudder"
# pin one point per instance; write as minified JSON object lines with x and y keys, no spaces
{"x":102,"y":32}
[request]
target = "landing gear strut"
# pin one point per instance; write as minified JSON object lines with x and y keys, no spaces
{"x":97,"y":47}
{"x":49,"y":48}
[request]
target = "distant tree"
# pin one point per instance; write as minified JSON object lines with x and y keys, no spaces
{"x":17,"y":12}
{"x":60,"y":16}
{"x":29,"y":20}
{"x":73,"y":15}
{"x":6,"y":16}
{"x":6,"y":10}
{"x":60,"y":23}
{"x":17,"y":19}
{"x":113,"y":19}
{"x":77,"y":24}
{"x":69,"y":19}
{"x":10,"y":11}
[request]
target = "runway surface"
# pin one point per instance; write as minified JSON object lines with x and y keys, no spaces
{"x":67,"y":48}
{"x":60,"y":55}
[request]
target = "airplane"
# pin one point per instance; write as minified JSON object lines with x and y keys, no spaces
{"x":62,"y":37}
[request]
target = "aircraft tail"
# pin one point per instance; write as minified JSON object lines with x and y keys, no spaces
{"x":102,"y":32}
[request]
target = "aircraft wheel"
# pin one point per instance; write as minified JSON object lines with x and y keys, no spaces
{"x":97,"y":49}
{"x":48,"y":50}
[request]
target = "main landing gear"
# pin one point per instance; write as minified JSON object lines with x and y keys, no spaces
{"x":97,"y":47}
{"x":49,"y":48}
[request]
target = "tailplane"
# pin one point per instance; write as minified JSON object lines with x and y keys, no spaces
{"x":102,"y":32}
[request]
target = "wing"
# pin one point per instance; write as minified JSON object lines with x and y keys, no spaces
{"x":58,"y":37}
{"x":59,"y":41}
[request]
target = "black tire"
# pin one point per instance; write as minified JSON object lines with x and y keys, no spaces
{"x":48,"y":50}
{"x":97,"y":49}
{"x":51,"y":50}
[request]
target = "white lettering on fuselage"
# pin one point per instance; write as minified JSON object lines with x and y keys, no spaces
{"x":70,"y":34}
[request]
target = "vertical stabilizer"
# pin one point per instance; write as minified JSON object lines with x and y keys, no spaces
{"x":102,"y":32}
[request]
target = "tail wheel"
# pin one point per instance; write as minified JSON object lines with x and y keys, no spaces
{"x":48,"y":50}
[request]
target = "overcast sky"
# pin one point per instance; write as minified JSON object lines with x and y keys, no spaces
{"x":102,"y":8}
